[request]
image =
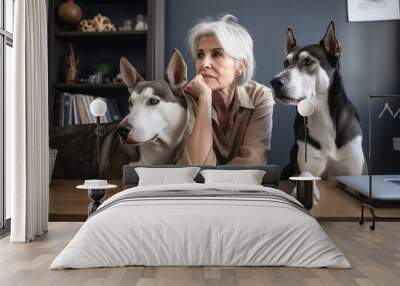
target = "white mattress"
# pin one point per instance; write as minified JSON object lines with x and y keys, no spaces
{"x":183,"y":231}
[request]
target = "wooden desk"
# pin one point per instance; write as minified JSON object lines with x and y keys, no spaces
{"x":69,"y":204}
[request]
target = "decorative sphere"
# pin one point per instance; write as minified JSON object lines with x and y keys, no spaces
{"x":98,"y":107}
{"x":69,"y":12}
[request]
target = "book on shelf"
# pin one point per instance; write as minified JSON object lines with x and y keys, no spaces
{"x":75,"y":109}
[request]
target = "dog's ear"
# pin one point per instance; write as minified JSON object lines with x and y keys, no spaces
{"x":330,"y":42}
{"x":130,"y":76}
{"x":176,"y":73}
{"x":291,"y":42}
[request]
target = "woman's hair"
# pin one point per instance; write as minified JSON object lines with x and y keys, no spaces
{"x":234,"y":39}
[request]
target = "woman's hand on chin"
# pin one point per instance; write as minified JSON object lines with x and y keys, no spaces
{"x":198,"y":88}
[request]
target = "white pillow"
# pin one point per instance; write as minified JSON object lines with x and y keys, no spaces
{"x":248,"y":177}
{"x":163,"y":176}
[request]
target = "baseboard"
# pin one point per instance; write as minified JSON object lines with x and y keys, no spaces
{"x":67,"y":217}
{"x":357,"y":219}
{"x":342,"y":219}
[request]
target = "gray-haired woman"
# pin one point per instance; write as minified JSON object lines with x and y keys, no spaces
{"x":234,"y":113}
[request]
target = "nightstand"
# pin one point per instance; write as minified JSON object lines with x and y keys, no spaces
{"x":304,"y":187}
{"x":96,"y":190}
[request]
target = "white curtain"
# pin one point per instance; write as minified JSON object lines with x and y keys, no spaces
{"x":27,"y":139}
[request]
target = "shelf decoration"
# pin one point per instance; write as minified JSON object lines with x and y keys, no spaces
{"x":141,"y":24}
{"x":127,"y":26}
{"x":99,"y":23}
{"x":72,"y":62}
{"x":69,"y":12}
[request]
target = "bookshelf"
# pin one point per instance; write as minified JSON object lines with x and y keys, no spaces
{"x":144,"y":49}
{"x":93,"y":87}
{"x":99,"y":35}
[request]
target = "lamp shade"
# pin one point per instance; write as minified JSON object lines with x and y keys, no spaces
{"x":98,"y":107}
{"x":305,"y":107}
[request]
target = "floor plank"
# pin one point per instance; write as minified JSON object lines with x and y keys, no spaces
{"x":374,"y":255}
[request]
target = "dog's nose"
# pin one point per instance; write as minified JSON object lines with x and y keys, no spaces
{"x":123,"y":131}
{"x":277,"y":83}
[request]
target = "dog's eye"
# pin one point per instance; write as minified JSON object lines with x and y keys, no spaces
{"x":286,"y":64}
{"x":308,"y":62}
{"x":153,"y":101}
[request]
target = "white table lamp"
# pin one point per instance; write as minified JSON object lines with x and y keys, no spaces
{"x":305,"y":108}
{"x":98,"y":108}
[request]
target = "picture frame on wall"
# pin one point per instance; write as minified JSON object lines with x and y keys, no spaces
{"x":372,"y":10}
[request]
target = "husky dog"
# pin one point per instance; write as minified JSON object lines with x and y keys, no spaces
{"x":334,"y":130}
{"x":158,"y":112}
{"x":153,"y":129}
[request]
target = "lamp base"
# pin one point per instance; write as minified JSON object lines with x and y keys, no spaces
{"x":305,"y":193}
{"x":95,"y":195}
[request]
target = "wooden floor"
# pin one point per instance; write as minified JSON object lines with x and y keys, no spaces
{"x":374,"y":255}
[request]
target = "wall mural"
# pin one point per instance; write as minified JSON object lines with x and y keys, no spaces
{"x":161,"y":116}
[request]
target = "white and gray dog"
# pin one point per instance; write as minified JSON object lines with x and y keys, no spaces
{"x":158,"y":112}
{"x":334,"y":130}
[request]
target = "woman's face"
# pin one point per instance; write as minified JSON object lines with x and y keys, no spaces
{"x":217,"y":68}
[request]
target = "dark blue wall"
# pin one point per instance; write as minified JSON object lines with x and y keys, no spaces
{"x":371,"y":50}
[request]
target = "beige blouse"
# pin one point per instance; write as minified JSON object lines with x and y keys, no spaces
{"x":248,"y":137}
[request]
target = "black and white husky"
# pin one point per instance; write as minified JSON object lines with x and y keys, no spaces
{"x":334,"y":130}
{"x":158,"y":116}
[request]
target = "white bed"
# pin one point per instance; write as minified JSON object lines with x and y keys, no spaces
{"x":222,"y":225}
